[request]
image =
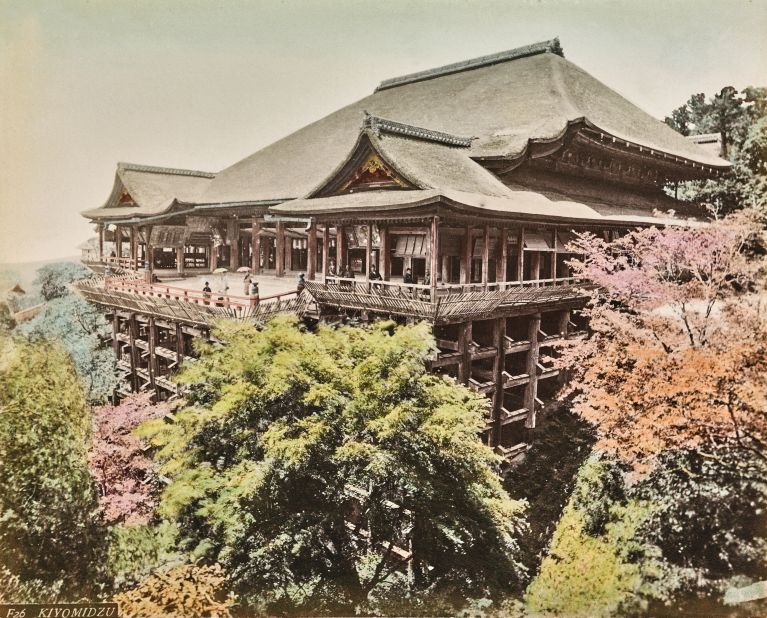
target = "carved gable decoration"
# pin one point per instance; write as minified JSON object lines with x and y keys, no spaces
{"x":372,"y":174}
{"x":125,"y":199}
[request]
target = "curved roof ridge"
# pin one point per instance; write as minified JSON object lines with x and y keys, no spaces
{"x":153,"y":169}
{"x":550,"y":46}
{"x":382,"y":125}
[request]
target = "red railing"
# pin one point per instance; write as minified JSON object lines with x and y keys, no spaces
{"x":198,"y":297}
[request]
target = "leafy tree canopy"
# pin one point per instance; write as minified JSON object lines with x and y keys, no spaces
{"x":54,"y":279}
{"x":49,"y":518}
{"x":311,"y":465}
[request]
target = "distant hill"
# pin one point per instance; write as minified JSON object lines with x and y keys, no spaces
{"x":24,"y":273}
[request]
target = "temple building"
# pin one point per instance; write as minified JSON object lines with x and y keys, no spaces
{"x":448,"y":195}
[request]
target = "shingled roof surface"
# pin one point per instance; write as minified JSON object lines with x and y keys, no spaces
{"x":503,"y":101}
{"x":153,"y":189}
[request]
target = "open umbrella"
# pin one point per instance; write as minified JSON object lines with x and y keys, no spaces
{"x":220,"y":270}
{"x":243,"y":269}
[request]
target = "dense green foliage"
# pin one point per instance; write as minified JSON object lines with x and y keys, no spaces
{"x":740,"y":118}
{"x":81,"y":329}
{"x":304,"y":459}
{"x":54,"y":279}
{"x":135,"y":551}
{"x":49,"y":522}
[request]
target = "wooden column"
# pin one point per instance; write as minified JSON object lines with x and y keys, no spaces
{"x":149,"y":253}
{"x":445,"y":259}
{"x":115,"y":331}
{"x":501,"y":255}
{"x":134,"y":247}
{"x":280,"y":257}
{"x":499,"y":337}
{"x":213,"y":257}
{"x":466,"y":257}
{"x":154,"y":367}
{"x":233,"y":232}
{"x":311,"y":248}
{"x":118,"y":241}
{"x":385,"y":253}
{"x":531,"y":392}
{"x":325,"y":250}
{"x":179,"y":344}
{"x":255,"y":239}
{"x":464,"y":341}
{"x":535,"y":265}
{"x":101,"y":242}
{"x":180,"y":261}
{"x":564,"y":323}
{"x":553,"y":258}
{"x":485,"y":256}
{"x":434,"y":266}
{"x":340,"y":249}
{"x":368,"y":251}
{"x":132,"y":336}
{"x":520,"y":267}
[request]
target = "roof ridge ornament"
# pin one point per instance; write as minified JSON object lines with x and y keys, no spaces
{"x":378,"y":125}
{"x":153,"y":169}
{"x":551,"y":46}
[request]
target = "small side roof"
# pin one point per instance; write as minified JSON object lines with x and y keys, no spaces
{"x":144,"y":190}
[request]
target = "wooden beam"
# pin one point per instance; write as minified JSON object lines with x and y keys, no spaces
{"x":325,"y":250}
{"x":485,"y":255}
{"x":279,"y":264}
{"x":531,"y":391}
{"x":501,"y":254}
{"x":311,"y":248}
{"x":434,"y":248}
{"x":385,"y":252}
{"x":255,"y":240}
{"x":466,"y":256}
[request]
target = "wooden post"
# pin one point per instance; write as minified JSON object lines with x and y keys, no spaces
{"x":531,"y":392}
{"x":154,"y":366}
{"x":564,"y":322}
{"x":535,"y":265}
{"x":132,"y":336}
{"x":179,"y":344}
{"x":485,"y":256}
{"x":501,"y":256}
{"x":233,"y":232}
{"x":464,"y":341}
{"x":133,"y":247}
{"x":325,"y":250}
{"x":118,"y":241}
{"x":149,"y":254}
{"x":553,"y":274}
{"x":499,"y":336}
{"x":255,"y":239}
{"x":213,"y":257}
{"x":101,"y":242}
{"x":466,"y":257}
{"x":434,"y":266}
{"x":368,"y":251}
{"x":311,"y":247}
{"x":180,"y":261}
{"x":280,"y":257}
{"x":115,"y":331}
{"x":520,"y":255}
{"x":385,"y":252}
{"x":340,"y":249}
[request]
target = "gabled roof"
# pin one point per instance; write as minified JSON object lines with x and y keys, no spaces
{"x":504,"y":101}
{"x":143,"y":191}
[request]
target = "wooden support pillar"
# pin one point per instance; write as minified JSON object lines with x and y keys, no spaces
{"x":340,"y":249}
{"x":154,"y":366}
{"x":179,"y":344}
{"x":213,"y":257}
{"x":133,"y":247}
{"x":280,"y":257}
{"x":535,"y":265}
{"x":501,"y":255}
{"x":464,"y":347}
{"x":553,"y":258}
{"x":325,"y":250}
{"x":434,"y":266}
{"x":118,"y":241}
{"x":115,"y":332}
{"x":132,"y":336}
{"x":233,"y":234}
{"x":101,"y":242}
{"x":564,"y":323}
{"x":148,"y":254}
{"x":485,"y":255}
{"x":499,"y":337}
{"x":385,"y":253}
{"x":180,"y":261}
{"x":368,"y":251}
{"x":531,"y":392}
{"x":311,"y":248}
{"x":520,"y":266}
{"x":255,"y":240}
{"x":466,"y":256}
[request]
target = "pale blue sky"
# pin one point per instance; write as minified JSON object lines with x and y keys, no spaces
{"x":201,"y":84}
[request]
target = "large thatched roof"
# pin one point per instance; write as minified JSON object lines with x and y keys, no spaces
{"x":504,"y":100}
